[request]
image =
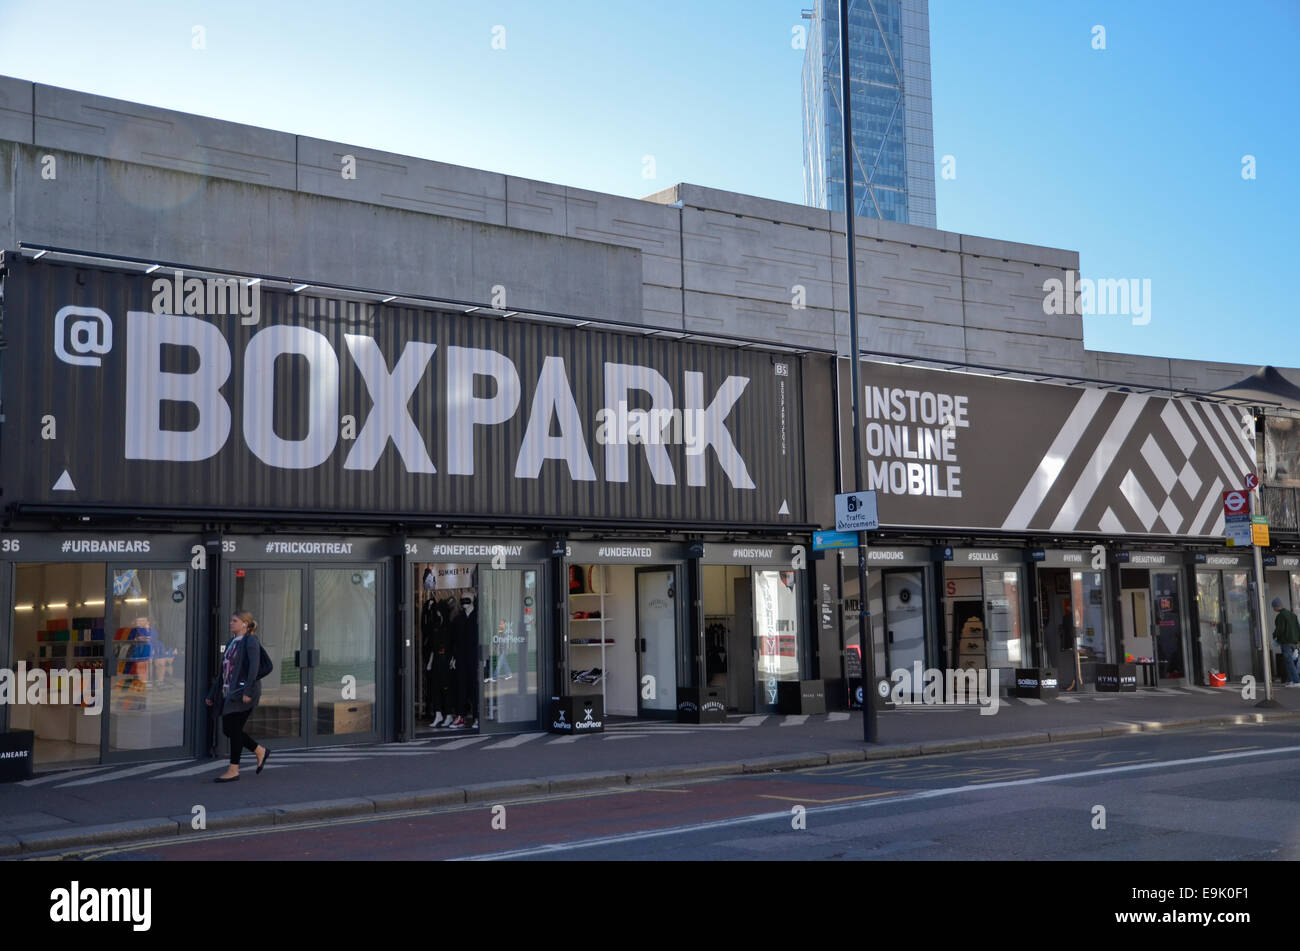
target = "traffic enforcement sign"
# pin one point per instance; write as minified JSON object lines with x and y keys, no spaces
{"x":1259,"y":534}
{"x":856,"y":512}
{"x":1252,"y":481}
{"x":1236,"y":502}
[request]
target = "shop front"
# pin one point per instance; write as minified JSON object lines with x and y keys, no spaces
{"x":629,"y":637}
{"x":1071,"y":587}
{"x":99,"y":644}
{"x":324,"y":606}
{"x":1226,"y":622}
{"x":984,"y":610}
{"x":384,"y":486}
{"x":1029,"y":491}
{"x":476,"y":645}
{"x":900,"y":593}
{"x":1282,"y":579}
{"x":1151,"y":617}
{"x":755,"y":633}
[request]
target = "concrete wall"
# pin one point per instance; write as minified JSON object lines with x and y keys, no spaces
{"x":140,"y":181}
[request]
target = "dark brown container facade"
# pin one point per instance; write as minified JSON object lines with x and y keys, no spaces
{"x":354,"y":408}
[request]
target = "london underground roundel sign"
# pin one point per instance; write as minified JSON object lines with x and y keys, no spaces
{"x":1235,"y":503}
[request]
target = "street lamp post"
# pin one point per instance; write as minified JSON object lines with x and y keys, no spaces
{"x":869,"y":729}
{"x":1256,"y":506}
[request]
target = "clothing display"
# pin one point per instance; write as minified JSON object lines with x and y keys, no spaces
{"x":465,"y":654}
{"x":716,"y":635}
{"x":448,"y":644}
{"x":436,"y":649}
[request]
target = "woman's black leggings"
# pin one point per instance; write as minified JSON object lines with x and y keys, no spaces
{"x":232,"y":724}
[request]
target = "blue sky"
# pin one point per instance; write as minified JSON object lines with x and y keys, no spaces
{"x":1131,"y":155}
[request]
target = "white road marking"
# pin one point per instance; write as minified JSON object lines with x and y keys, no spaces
{"x":459,"y":744}
{"x":784,"y":815}
{"x":795,"y":719}
{"x":1068,"y":699}
{"x":836,"y":717}
{"x":63,"y":774}
{"x":133,"y":771}
{"x":201,"y":768}
{"x":1032,"y":701}
{"x":566,"y":739}
{"x":752,"y":721}
{"x":514,"y":741}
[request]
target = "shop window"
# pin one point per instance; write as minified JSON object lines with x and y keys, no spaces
{"x":148,"y":648}
{"x":1003,"y":623}
{"x":343,"y":607}
{"x":1088,"y":608}
{"x":776,"y":625}
{"x":508,"y":645}
{"x":59,"y":624}
{"x":447,"y":694}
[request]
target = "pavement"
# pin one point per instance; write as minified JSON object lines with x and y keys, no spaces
{"x":93,"y":806}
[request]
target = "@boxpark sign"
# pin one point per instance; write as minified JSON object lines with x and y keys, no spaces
{"x":949,"y":450}
{"x":327,"y":403}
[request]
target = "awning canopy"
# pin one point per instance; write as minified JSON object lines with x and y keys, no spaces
{"x":1266,"y":385}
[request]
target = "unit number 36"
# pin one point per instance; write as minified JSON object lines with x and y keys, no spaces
{"x":8,"y":544}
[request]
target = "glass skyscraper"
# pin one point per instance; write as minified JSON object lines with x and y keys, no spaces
{"x":893,"y":128}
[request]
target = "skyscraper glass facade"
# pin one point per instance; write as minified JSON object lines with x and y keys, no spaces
{"x":889,"y":73}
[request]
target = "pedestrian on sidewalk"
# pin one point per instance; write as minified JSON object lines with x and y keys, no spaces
{"x":237,"y":691}
{"x":1286,"y":631}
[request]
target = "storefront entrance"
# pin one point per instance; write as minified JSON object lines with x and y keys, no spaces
{"x":320,"y":626}
{"x":321,"y":606}
{"x":1150,"y":617}
{"x":1072,"y":616}
{"x":753,"y":638}
{"x":102,"y":646}
{"x":984,"y":610}
{"x":476,"y":636}
{"x":627,"y":639}
{"x":1225,"y":619}
{"x":899,"y":603}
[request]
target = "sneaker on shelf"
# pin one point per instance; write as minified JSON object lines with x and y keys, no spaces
{"x":437,"y":719}
{"x":459,"y":724}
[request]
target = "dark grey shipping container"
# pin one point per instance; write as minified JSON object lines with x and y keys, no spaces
{"x":109,"y":403}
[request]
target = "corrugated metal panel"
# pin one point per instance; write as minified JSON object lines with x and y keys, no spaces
{"x":287,"y":400}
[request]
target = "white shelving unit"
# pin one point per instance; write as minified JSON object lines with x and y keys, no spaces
{"x":588,"y":629}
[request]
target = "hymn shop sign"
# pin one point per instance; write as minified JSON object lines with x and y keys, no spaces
{"x":949,"y":450}
{"x":118,"y":396}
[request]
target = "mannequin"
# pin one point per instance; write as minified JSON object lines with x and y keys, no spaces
{"x":465,"y":650}
{"x":435,"y":630}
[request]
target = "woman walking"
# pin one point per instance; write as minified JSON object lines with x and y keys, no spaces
{"x":237,"y":692}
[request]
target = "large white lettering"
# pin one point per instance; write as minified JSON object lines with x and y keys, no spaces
{"x":389,"y":419}
{"x":554,"y":397}
{"x":148,"y":385}
{"x":620,"y":378}
{"x":465,"y":410}
{"x":712,"y":430}
{"x":321,"y":396}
